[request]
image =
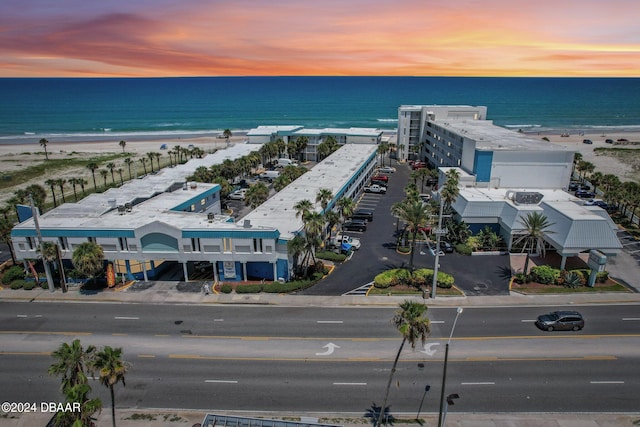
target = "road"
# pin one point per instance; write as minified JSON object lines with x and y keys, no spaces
{"x":330,"y":359}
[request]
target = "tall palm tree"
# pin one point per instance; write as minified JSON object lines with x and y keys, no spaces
{"x":112,"y":167}
{"x":52,"y":183}
{"x":383,"y":148}
{"x":82,"y":183}
{"x":120,"y":172}
{"x":93,"y":167}
{"x":151,"y":156}
{"x":257,"y":195}
{"x":415,"y":214}
{"x":6,"y":226}
{"x":48,"y":253}
{"x":227,"y":134}
{"x":74,"y":182}
{"x":536,"y":225}
{"x":324,"y":196}
{"x":450,"y":190}
{"x":346,"y":205}
{"x":111,"y":369}
{"x":104,"y":173}
{"x":71,"y":362}
{"x":129,"y":161}
{"x":143,"y":160}
{"x":122,"y":144}
{"x":39,"y":195}
{"x":413,"y":324}
{"x":60,"y":183}
{"x":43,"y":144}
{"x":303,"y":208}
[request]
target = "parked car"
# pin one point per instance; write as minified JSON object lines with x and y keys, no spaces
{"x":418,"y":165}
{"x":587,"y":141}
{"x":446,"y":246}
{"x":363,"y":214}
{"x":386,"y":169}
{"x":339,"y":239}
{"x":623,"y":140}
{"x":573,"y":186}
{"x":585,"y":194}
{"x":355,"y":225}
{"x":375,"y":188}
{"x":238,"y":194}
{"x":608,"y":141}
{"x":382,"y":178}
{"x":560,"y":321}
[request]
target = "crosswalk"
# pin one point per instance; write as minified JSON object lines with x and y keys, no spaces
{"x":362,"y":290}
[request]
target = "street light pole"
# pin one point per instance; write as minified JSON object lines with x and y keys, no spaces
{"x":439,"y":232}
{"x":444,"y":371}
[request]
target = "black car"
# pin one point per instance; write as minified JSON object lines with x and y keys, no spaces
{"x":573,"y":186}
{"x":587,"y":141}
{"x":355,"y":225}
{"x":584,"y":194}
{"x":446,"y":247}
{"x":365,"y":214}
{"x":560,"y":321}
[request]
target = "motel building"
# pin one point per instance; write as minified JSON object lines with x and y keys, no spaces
{"x":160,"y":221}
{"x":504,"y":176}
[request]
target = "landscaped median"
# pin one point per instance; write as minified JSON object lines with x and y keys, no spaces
{"x":401,"y":281}
{"x":544,"y":279}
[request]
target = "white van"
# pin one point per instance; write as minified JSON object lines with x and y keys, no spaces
{"x":270,"y":175}
{"x":285,"y":162}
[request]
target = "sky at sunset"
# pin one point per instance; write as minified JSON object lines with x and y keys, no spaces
{"x":85,"y":38}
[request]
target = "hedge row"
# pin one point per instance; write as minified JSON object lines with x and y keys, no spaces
{"x":420,"y":277}
{"x":553,"y":276}
{"x":274,"y":287}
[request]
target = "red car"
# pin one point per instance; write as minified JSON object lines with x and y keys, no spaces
{"x":382,"y":178}
{"x":419,"y":165}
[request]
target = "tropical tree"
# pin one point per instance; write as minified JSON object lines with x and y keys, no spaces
{"x":129,"y":161}
{"x":296,"y":248}
{"x":111,"y":370}
{"x":256,"y":195}
{"x":88,"y":258}
{"x":536,"y":225}
{"x":227,"y":134}
{"x":60,"y":183}
{"x":120,"y":172}
{"x":324,"y":196}
{"x":48,"y":253}
{"x":414,"y":214}
{"x":346,"y":206}
{"x":383,"y":148}
{"x":413,"y":324}
{"x":72,"y":362}
{"x":450,"y":190}
{"x":151,"y":156}
{"x":93,"y":167}
{"x":143,"y":160}
{"x":112,"y":167}
{"x":74,"y":183}
{"x":122,"y":144}
{"x":43,"y":144}
{"x":303,"y":208}
{"x":52,"y":184}
{"x":104,"y":174}
{"x":585,"y":168}
{"x":38,"y":194}
{"x":6,"y":226}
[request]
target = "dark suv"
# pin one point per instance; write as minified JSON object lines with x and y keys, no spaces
{"x":355,"y":225}
{"x":561,"y":321}
{"x":365,"y":214}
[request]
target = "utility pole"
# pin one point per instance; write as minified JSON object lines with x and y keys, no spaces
{"x":438,"y":232}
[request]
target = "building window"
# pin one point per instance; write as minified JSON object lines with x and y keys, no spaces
{"x":124,"y":245}
{"x":32,"y":243}
{"x":63,"y":243}
{"x":257,"y":245}
{"x":195,"y":245}
{"x":91,"y":239}
{"x":226,"y":244}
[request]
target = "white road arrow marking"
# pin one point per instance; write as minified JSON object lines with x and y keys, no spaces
{"x":330,"y":347}
{"x":428,"y":350}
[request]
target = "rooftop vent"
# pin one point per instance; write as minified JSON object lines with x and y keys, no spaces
{"x":121,"y":209}
{"x":128,"y":207}
{"x":525,"y":197}
{"x":210,"y":216}
{"x":247,"y":223}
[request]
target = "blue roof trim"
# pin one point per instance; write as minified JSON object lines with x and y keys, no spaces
{"x":234,"y":234}
{"x":196,"y":199}
{"x":351,"y":180}
{"x":31,"y":232}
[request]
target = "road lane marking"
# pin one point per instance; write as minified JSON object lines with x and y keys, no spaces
{"x":480,"y":383}
{"x":115,"y":334}
{"x":631,"y":318}
{"x":126,"y":318}
{"x":149,"y":356}
{"x":218,"y":320}
{"x":358,"y":384}
{"x":330,"y":321}
{"x":606,"y":382}
{"x":528,"y":320}
{"x":22,"y":315}
{"x":436,"y":321}
{"x":221,"y":381}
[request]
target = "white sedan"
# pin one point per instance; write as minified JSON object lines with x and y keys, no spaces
{"x":386,"y":169}
{"x":238,"y":194}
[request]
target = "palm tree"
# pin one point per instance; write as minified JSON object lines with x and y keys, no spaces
{"x":49,"y":253}
{"x":450,"y":190}
{"x":82,"y":183}
{"x":143,"y":160}
{"x":413,"y":324}
{"x":536,"y":225}
{"x":111,"y":370}
{"x":52,"y":183}
{"x":60,"y":183}
{"x":151,"y":156}
{"x":88,"y":258}
{"x":74,"y":182}
{"x":324,"y":196}
{"x":111,"y":166}
{"x":104,"y":173}
{"x":122,"y":144}
{"x":6,"y":226}
{"x":71,"y":361}
{"x":120,"y":171}
{"x":585,"y":168}
{"x":43,"y":144}
{"x":227,"y":134}
{"x":383,"y":149}
{"x":257,"y":195}
{"x":93,"y":166}
{"x":129,"y":161}
{"x":303,"y":207}
{"x":414,"y":213}
{"x":38,"y":193}
{"x":346,"y":205}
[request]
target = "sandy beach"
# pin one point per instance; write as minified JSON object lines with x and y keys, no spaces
{"x":15,"y":157}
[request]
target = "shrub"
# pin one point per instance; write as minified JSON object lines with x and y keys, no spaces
{"x":331,"y":256}
{"x":14,"y":273}
{"x":463,"y":249}
{"x":385,"y":279}
{"x":422,"y":277}
{"x":29,"y":285}
{"x":249,"y":289}
{"x":473,"y":242}
{"x":572,"y":280}
{"x":520,"y":278}
{"x":602,"y":276}
{"x":544,"y":274}
{"x":18,"y":284}
{"x":444,"y":280}
{"x":226,"y":289}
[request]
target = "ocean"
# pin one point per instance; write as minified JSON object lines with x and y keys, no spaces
{"x":130,"y":108}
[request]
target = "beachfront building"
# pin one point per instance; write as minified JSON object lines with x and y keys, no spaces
{"x":162,"y":222}
{"x":265,"y":134}
{"x":504,"y":176}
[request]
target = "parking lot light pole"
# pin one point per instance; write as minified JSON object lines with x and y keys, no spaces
{"x":444,"y":371}
{"x":438,"y":232}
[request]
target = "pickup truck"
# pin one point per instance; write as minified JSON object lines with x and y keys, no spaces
{"x":349,"y":242}
{"x":375,"y":188}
